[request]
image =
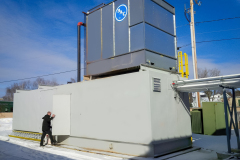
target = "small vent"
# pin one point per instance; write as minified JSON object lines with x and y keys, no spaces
{"x":156,"y":85}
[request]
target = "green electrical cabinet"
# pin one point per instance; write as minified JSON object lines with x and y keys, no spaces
{"x":196,"y":119}
{"x":213,"y":118}
{"x":6,"y":106}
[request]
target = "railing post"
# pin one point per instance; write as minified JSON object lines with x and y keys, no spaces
{"x":186,"y":65}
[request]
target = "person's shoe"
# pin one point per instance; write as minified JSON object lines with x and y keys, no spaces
{"x":54,"y":142}
{"x":41,"y":145}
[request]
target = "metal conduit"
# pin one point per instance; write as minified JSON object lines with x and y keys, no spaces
{"x":184,"y":82}
{"x":207,"y":84}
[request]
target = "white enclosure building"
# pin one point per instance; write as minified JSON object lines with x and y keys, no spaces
{"x":137,"y":113}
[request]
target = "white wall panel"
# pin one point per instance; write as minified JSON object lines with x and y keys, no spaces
{"x":61,"y":108}
{"x":30,"y":107}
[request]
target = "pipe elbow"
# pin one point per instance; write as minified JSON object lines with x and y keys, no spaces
{"x":80,"y":23}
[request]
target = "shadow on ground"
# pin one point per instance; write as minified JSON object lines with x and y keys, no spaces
{"x":9,"y":151}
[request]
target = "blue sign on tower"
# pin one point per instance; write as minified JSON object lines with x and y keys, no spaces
{"x":121,"y":12}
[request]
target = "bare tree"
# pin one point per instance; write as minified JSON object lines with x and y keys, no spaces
{"x":73,"y":80}
{"x":237,"y":92}
{"x":204,"y":73}
{"x":26,"y":85}
{"x":10,"y":91}
{"x":44,"y":82}
{"x":190,"y":99}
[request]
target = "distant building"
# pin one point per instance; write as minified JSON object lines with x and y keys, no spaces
{"x":237,"y":101}
{"x":204,"y":98}
{"x":1,"y":99}
{"x":6,"y":106}
{"x":215,"y":98}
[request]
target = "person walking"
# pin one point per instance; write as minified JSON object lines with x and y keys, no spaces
{"x":46,"y":127}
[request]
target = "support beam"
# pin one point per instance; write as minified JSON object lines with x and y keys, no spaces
{"x":226,"y":119}
{"x":228,"y":112}
{"x":234,"y":107}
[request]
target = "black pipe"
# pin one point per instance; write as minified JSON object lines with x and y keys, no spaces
{"x":79,"y":51}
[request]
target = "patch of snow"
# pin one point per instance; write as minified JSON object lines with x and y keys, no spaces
{"x":5,"y":126}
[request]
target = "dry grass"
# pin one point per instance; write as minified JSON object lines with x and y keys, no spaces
{"x":6,"y":115}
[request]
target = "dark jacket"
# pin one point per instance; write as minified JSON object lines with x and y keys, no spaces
{"x":46,"y":125}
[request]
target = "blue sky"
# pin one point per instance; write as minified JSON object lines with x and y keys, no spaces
{"x":38,"y":37}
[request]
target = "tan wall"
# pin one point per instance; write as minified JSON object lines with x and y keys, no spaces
{"x":230,"y":101}
{"x":6,"y":115}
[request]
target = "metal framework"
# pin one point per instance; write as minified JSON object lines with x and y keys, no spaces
{"x":29,"y":136}
{"x":215,"y":83}
{"x":205,"y":84}
{"x":234,"y":123}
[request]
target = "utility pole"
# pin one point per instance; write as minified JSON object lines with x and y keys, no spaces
{"x":194,"y":54}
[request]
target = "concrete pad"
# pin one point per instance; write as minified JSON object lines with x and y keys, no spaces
{"x":197,"y":155}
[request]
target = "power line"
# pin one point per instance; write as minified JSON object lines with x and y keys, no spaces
{"x":217,"y":20}
{"x":218,"y":40}
{"x":209,"y":41}
{"x":39,"y":76}
{"x":26,"y":59}
{"x":219,"y":31}
{"x":182,"y":25}
{"x":212,"y":32}
{"x":210,"y":21}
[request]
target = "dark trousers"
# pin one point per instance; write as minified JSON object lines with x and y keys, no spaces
{"x":44,"y":134}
